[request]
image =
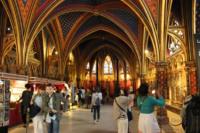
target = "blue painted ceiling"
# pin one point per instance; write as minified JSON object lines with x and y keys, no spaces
{"x":127,"y":17}
{"x":96,"y":20}
{"x":91,"y":2}
{"x":67,"y":21}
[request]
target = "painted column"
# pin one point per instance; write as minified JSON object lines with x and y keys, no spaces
{"x":117,"y":63}
{"x":191,"y":77}
{"x":97,"y":72}
{"x":90,"y":71}
{"x":161,"y":77}
{"x":125,"y":75}
{"x":142,"y":77}
{"x":197,"y":47}
{"x":198,"y":16}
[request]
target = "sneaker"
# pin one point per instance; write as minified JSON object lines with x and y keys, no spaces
{"x":97,"y":120}
{"x":94,"y":121}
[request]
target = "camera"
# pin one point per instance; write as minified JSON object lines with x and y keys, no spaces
{"x":51,"y":113}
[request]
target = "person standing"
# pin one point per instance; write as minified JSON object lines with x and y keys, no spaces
{"x":96,"y":103}
{"x":120,"y":107}
{"x":54,"y":111}
{"x":147,"y":120}
{"x":25,"y":104}
{"x":131,"y":96}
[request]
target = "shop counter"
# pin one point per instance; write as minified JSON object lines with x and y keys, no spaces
{"x":15,"y":115}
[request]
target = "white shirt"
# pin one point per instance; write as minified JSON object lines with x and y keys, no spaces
{"x":38,"y":101}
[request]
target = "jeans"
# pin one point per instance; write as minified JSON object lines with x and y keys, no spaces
{"x":96,"y":111}
{"x":54,"y":126}
{"x":24,"y":113}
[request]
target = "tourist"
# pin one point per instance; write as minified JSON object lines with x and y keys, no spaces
{"x":54,"y":110}
{"x":96,"y":103}
{"x":25,"y":104}
{"x":39,"y":100}
{"x":147,"y":120}
{"x":120,"y":107}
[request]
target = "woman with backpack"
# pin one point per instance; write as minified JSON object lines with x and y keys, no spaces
{"x":96,"y":103}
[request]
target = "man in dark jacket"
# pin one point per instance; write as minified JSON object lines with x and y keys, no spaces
{"x":191,"y":114}
{"x":53,"y":109}
{"x":25,"y":104}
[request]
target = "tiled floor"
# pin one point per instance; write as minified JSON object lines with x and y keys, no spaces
{"x":80,"y":121}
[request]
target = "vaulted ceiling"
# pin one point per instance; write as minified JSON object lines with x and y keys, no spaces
{"x":86,"y":26}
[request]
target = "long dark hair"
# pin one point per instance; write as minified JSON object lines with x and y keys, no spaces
{"x":143,"y":89}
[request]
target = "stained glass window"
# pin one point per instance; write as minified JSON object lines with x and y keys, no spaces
{"x":174,"y":46}
{"x":108,"y":68}
{"x":94,"y":68}
{"x":88,"y":66}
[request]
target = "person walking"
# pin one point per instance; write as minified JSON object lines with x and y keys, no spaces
{"x":54,"y":111}
{"x":25,"y":102}
{"x":120,"y":107}
{"x":39,"y":100}
{"x":96,"y":103}
{"x":147,"y":120}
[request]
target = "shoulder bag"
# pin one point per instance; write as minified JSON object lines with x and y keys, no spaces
{"x":128,"y":112}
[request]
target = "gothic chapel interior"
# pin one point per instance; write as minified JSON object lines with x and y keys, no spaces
{"x":104,"y":42}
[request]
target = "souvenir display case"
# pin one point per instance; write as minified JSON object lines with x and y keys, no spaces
{"x":12,"y":86}
{"x":4,"y":102}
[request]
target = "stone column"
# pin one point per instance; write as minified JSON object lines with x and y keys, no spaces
{"x":198,"y":16}
{"x":197,"y":44}
{"x":97,"y":71}
{"x":125,"y":75}
{"x":161,"y":77}
{"x":90,"y":71}
{"x":142,"y":77}
{"x":117,"y":66}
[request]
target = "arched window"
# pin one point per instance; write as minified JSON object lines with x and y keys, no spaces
{"x":88,"y":66}
{"x":173,"y":46}
{"x":94,"y":67}
{"x":108,"y":68}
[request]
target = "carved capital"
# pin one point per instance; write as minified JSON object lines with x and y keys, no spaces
{"x":190,"y":66}
{"x":3,"y":68}
{"x":12,"y":68}
{"x":161,"y":66}
{"x":22,"y":70}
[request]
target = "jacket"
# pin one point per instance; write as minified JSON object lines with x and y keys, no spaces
{"x":57,"y":100}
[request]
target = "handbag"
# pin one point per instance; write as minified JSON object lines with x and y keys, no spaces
{"x":128,"y":112}
{"x":34,"y":110}
{"x":129,"y":115}
{"x":92,"y":108}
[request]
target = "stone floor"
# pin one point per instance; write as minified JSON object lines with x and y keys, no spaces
{"x":80,"y":121}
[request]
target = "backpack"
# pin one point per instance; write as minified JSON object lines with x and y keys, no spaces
{"x":98,"y":101}
{"x":191,"y":122}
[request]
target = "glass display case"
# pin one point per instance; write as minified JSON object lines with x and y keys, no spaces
{"x":11,"y":87}
{"x":4,"y":102}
